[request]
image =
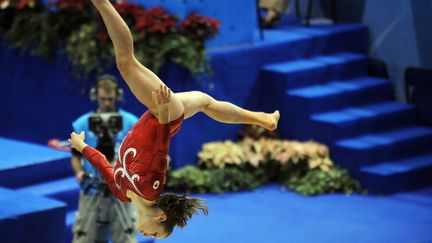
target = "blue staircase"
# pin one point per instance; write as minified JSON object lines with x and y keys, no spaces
{"x":330,"y":99}
{"x":349,"y":122}
{"x":388,"y":177}
{"x":315,"y":70}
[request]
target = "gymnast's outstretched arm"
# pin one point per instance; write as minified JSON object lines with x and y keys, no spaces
{"x":99,"y":161}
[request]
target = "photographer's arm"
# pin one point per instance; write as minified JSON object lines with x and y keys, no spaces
{"x":77,"y":167}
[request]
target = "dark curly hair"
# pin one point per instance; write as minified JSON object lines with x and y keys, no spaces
{"x":178,"y":209}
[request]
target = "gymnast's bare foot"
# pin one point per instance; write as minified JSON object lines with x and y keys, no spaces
{"x":270,"y":120}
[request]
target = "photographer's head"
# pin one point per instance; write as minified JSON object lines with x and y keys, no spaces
{"x":106,"y":92}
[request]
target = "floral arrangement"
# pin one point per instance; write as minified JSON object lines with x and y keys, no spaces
{"x":258,"y":152}
{"x":199,"y":28}
{"x":75,"y":28}
{"x":220,"y":154}
{"x":18,"y":4}
{"x":258,"y":158}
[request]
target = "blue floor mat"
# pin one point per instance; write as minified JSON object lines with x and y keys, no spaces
{"x":270,"y":214}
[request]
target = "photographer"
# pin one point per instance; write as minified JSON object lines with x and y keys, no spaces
{"x":101,"y":217}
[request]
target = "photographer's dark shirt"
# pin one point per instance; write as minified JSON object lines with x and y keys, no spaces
{"x":142,"y":162}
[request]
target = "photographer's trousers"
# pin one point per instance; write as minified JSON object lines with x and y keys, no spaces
{"x":102,"y":218}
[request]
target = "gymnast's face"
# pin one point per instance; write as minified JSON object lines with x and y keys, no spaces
{"x":106,"y":100}
{"x":150,"y":225}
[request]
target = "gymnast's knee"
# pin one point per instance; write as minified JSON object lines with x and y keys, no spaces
{"x":123,"y":62}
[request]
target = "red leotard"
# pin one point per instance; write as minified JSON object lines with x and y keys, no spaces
{"x":142,"y":163}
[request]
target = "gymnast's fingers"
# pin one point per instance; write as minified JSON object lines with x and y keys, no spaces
{"x":154,"y":98}
{"x":160,"y":95}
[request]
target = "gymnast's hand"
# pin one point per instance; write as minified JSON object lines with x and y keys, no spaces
{"x":162,"y":97}
{"x":77,"y":141}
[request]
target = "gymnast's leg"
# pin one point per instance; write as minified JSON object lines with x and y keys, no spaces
{"x":140,"y":80}
{"x":225,"y":112}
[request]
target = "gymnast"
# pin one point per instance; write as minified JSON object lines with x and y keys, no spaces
{"x":139,"y":175}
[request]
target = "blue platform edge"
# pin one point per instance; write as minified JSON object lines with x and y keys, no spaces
{"x":24,"y":163}
{"x":28,"y":218}
{"x":19,"y":153}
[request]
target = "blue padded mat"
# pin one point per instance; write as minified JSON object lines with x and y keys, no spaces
{"x":270,"y":214}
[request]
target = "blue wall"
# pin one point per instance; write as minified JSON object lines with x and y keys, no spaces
{"x":393,"y":37}
{"x":422,"y":23}
{"x":400,"y":33}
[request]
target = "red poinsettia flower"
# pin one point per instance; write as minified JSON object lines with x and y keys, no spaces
{"x":129,"y":10}
{"x":155,"y":20}
{"x":69,"y":4}
{"x":199,"y":27}
{"x":20,"y":4}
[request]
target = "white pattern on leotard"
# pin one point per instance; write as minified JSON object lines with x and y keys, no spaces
{"x":125,"y":172}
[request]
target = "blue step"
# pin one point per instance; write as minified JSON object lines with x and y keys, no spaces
{"x":421,"y":196}
{"x":316,"y":70}
{"x":350,"y":122}
{"x":70,"y":221}
{"x":400,"y":175}
{"x":372,"y":148}
{"x":342,"y":37}
{"x":29,"y":218}
{"x":299,"y":104}
{"x":341,"y":94}
{"x":65,"y":190}
{"x":25,"y":163}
